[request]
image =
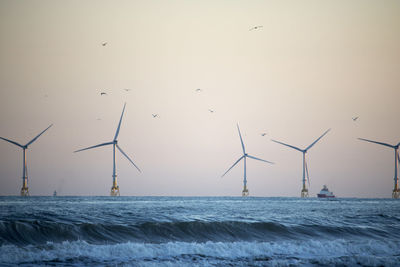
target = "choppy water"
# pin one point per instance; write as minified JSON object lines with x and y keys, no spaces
{"x":202,"y":231}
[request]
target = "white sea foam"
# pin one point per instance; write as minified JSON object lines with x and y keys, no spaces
{"x":309,"y":252}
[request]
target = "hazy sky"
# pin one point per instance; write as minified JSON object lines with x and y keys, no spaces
{"x":314,"y":65}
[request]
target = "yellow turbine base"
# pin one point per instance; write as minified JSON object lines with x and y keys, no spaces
{"x":114,"y":191}
{"x":304,"y":192}
{"x":24,"y":192}
{"x":245,"y":192}
{"x":396,"y":193}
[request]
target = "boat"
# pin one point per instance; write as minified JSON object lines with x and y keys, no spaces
{"x":325,"y":193}
{"x":54,"y":193}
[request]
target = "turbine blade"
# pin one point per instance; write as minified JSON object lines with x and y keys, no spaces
{"x":317,"y":140}
{"x":34,"y":139}
{"x":233,"y":165}
{"x":12,"y":142}
{"x":379,"y":143}
{"x":104,"y":144}
{"x":260,"y":159}
{"x":241,"y":140}
{"x":123,"y":153}
{"x":119,"y":124}
{"x":287,"y":145}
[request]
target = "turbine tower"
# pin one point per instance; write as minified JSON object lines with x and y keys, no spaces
{"x":245,"y":191}
{"x":114,"y":143}
{"x":396,"y":190}
{"x":304,"y":190}
{"x":24,"y":189}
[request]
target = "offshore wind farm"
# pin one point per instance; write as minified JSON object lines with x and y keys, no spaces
{"x":185,"y":147}
{"x":167,"y":84}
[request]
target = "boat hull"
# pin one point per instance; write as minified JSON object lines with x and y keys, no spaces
{"x":324,"y":196}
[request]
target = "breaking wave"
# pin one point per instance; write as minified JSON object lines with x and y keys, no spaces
{"x":196,"y":231}
{"x":40,"y":232}
{"x":300,"y":252}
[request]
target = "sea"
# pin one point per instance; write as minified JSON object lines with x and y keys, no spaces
{"x":198,"y":231}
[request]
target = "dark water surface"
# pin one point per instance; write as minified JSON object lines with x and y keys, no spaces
{"x":198,"y":231}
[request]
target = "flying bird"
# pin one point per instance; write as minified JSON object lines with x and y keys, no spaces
{"x":212,"y":111}
{"x":102,"y":93}
{"x":355,"y":118}
{"x":198,"y":90}
{"x":256,"y":27}
{"x":263,"y":134}
{"x":127,"y":90}
{"x":104,"y":44}
{"x":154,"y":115}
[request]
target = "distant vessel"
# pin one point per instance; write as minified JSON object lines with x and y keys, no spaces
{"x":325,"y":193}
{"x":54,"y":193}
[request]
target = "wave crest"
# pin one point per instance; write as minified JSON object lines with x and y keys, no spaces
{"x":38,"y":232}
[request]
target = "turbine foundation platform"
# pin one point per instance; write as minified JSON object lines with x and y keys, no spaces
{"x":245,"y":192}
{"x":304,"y":192}
{"x":114,"y":191}
{"x":396,"y":193}
{"x":24,"y":192}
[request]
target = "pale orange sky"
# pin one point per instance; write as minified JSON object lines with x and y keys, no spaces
{"x":314,"y":65}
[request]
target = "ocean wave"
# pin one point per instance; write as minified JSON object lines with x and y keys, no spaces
{"x":299,"y":252}
{"x":40,"y":232}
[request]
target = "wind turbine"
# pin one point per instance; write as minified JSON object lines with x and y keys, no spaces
{"x":396,"y":190}
{"x":24,"y":189}
{"x":114,"y":143}
{"x":245,"y":191}
{"x":304,"y":191}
